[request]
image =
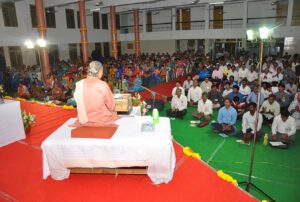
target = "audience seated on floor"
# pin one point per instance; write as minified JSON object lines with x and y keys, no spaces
{"x":294,"y":109}
{"x":187,"y":84}
{"x":206,"y":85}
{"x":283,"y":128}
{"x":269,"y":109}
{"x":282,"y":97}
{"x":248,"y":124}
{"x":204,"y":110}
{"x":194,"y":94}
{"x":227,"y":90}
{"x":216,"y":97}
{"x":178,"y":85}
{"x":244,"y":88}
{"x":227,"y":116}
{"x":178,"y":105}
{"x":239,"y":105}
{"x":253,"y":96}
{"x":235,"y":92}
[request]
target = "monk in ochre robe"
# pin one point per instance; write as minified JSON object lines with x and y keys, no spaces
{"x":94,"y":99}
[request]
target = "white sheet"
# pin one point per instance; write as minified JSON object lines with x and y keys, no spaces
{"x":128,"y":144}
{"x":11,"y":124}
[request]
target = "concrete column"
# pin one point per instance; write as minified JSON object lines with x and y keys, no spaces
{"x":40,"y":14}
{"x":206,"y":18}
{"x":245,"y":14}
{"x":114,"y":42}
{"x":173,"y":12}
{"x":290,"y":13}
{"x":206,"y":46}
{"x":180,"y":19}
{"x":83,"y":31}
{"x":137,"y":33}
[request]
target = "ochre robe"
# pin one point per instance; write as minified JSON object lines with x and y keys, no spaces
{"x":95,"y":103}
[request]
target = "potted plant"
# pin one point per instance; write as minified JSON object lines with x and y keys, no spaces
{"x":28,"y":120}
{"x":137,"y":101}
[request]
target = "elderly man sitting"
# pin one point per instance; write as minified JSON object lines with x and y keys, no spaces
{"x":294,"y":109}
{"x":95,"y":103}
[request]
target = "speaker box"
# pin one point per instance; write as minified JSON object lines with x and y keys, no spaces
{"x":158,"y":104}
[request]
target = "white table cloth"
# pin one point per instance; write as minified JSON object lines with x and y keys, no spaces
{"x":11,"y":124}
{"x":128,"y":147}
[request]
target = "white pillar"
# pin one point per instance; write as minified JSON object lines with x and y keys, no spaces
{"x":6,"y":55}
{"x":244,"y":43}
{"x":173,"y":12}
{"x":207,"y":47}
{"x":206,"y":19}
{"x":245,"y":14}
{"x":144,"y":21}
{"x":290,"y":13}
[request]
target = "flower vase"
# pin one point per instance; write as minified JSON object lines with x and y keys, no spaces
{"x":27,"y":129}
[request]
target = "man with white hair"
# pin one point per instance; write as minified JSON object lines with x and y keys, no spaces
{"x":94,"y":99}
{"x":294,"y":109}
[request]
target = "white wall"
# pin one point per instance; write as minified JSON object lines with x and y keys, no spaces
{"x":162,"y":16}
{"x":198,"y":13}
{"x":153,"y":46}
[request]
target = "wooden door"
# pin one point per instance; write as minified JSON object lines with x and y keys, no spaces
{"x":149,"y":21}
{"x":178,"y":19}
{"x":218,"y":17}
{"x":186,"y":19}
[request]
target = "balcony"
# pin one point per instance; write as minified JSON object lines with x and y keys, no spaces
{"x":159,"y":27}
{"x":226,"y":24}
{"x":267,"y":21}
{"x":129,"y":29}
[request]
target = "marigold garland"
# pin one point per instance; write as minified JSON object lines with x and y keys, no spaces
{"x":264,"y":201}
{"x":20,"y":99}
{"x":189,"y":152}
{"x":67,"y":107}
{"x":227,"y":177}
{"x":8,"y":97}
{"x":50,"y":104}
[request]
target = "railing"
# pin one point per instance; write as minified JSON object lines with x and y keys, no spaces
{"x":190,"y":25}
{"x":296,"y":21}
{"x":129,"y":29}
{"x":267,"y":21}
{"x":159,"y":27}
{"x":226,"y":23}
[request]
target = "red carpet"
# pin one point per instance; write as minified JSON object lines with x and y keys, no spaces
{"x":162,"y":90}
{"x":21,"y":174}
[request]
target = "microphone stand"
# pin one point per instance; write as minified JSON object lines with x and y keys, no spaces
{"x":248,"y":182}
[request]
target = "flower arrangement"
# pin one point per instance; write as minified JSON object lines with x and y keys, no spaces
{"x":28,"y":120}
{"x":20,"y":99}
{"x":137,"y":101}
{"x":50,"y":104}
{"x":8,"y":97}
{"x":227,"y":177}
{"x":189,"y":152}
{"x":1,"y":90}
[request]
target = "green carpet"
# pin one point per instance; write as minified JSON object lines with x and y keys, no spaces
{"x":275,"y":171}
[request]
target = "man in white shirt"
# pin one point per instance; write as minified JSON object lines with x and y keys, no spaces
{"x":243,"y":72}
{"x":248,"y":124}
{"x":266,"y":76}
{"x":233,"y":73}
{"x":178,"y":104}
{"x":204,"y":111}
{"x":294,"y":109}
{"x":291,"y":87}
{"x":178,"y":85}
{"x":277,"y":77}
{"x":244,"y":88}
{"x":206,"y":85}
{"x":187,"y":84}
{"x":194,"y":94}
{"x":270,"y":108}
{"x":283,"y":128}
{"x":252,"y":75}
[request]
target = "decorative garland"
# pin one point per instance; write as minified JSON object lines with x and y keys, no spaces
{"x":227,"y":177}
{"x":189,"y":152}
{"x":49,"y":104}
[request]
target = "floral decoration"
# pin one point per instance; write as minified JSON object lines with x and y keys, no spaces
{"x":227,"y":177}
{"x":8,"y":97}
{"x":137,"y":101}
{"x":20,"y":99}
{"x":1,"y":89}
{"x":67,"y":107}
{"x":189,"y":152}
{"x":28,"y":119}
{"x":50,"y":104}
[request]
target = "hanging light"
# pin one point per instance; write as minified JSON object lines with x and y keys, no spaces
{"x":264,"y":32}
{"x":29,"y":44}
{"x":41,"y":43}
